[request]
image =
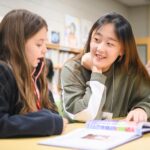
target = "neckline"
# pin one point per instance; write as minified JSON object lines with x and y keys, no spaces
{"x":109,"y":73}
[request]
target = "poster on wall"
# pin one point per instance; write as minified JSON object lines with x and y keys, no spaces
{"x":85,"y":28}
{"x":72,"y":32}
{"x":55,"y":37}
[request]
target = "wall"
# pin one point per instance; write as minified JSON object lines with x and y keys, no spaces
{"x":140,"y":21}
{"x":54,"y":11}
{"x":139,"y":18}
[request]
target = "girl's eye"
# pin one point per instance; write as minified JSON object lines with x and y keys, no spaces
{"x":110,"y":44}
{"x":96,"y":39}
{"x":39,"y":45}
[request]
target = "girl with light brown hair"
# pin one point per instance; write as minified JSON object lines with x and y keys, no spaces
{"x":25,"y":107}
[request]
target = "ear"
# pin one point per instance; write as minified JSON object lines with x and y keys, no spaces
{"x":121,"y":52}
{"x":120,"y":56}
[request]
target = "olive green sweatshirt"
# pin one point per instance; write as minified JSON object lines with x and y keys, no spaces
{"x":88,"y":95}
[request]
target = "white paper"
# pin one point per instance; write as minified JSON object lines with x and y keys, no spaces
{"x":91,"y":139}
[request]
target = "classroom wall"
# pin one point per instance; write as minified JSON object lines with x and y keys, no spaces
{"x":54,"y":11}
{"x":140,"y":20}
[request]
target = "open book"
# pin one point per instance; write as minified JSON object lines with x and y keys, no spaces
{"x":100,"y":134}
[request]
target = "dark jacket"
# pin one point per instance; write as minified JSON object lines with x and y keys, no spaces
{"x":12,"y":124}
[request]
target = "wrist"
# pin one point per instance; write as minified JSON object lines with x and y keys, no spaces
{"x":95,"y":69}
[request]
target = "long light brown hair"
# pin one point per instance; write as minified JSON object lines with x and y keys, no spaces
{"x":15,"y":29}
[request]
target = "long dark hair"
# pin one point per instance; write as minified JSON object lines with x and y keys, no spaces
{"x":15,"y":29}
{"x":130,"y":60}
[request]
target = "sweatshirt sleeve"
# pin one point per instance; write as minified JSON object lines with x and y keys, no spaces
{"x":12,"y":124}
{"x":82,"y":100}
{"x":41,"y":123}
{"x":141,"y":96}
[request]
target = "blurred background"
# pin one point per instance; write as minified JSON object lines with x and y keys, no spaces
{"x":69,"y":22}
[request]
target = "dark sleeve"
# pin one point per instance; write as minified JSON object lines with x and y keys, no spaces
{"x":40,"y":123}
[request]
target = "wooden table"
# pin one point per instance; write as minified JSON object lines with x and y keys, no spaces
{"x":31,"y":143}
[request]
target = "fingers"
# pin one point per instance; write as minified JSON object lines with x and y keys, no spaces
{"x":129,"y":116}
{"x":86,"y":61}
{"x":137,"y":115}
{"x":65,"y":122}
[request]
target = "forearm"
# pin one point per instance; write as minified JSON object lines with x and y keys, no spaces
{"x":41,"y":123}
{"x":83,"y":103}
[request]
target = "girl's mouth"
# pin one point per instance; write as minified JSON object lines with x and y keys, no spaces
{"x":40,"y":60}
{"x":100,"y":56}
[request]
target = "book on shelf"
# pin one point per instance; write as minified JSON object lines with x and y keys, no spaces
{"x":58,"y":57}
{"x":100,"y":134}
{"x":63,"y":57}
{"x":53,"y":55}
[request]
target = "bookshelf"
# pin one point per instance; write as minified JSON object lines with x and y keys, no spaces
{"x":59,"y":55}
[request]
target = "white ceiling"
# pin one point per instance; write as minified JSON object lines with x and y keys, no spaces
{"x":134,"y":2}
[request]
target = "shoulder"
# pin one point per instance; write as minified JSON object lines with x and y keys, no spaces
{"x":70,"y":67}
{"x":6,"y":75}
{"x":74,"y":67}
{"x":73,"y":64}
{"x":74,"y":70}
{"x":5,"y":70}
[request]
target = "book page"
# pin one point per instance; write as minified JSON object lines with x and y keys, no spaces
{"x":94,"y":139}
{"x":119,"y":125}
{"x":114,"y":125}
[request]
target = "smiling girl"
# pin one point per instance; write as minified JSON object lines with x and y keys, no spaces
{"x":25,"y":107}
{"x":108,"y":80}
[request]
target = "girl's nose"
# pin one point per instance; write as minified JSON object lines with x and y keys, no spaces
{"x":101,"y":46}
{"x":44,"y":49}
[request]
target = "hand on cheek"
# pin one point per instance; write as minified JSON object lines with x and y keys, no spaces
{"x":87,"y":62}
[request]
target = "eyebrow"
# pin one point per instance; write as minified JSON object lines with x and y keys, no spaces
{"x":109,"y":38}
{"x":43,"y":39}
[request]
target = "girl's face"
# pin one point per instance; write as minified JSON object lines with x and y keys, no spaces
{"x":105,"y":47}
{"x":35,"y":47}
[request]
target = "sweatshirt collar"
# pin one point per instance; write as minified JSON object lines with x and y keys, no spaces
{"x":109,"y":73}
